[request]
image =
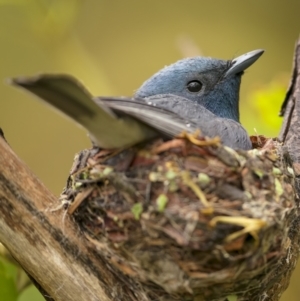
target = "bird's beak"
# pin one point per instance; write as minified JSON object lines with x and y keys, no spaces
{"x":244,"y":61}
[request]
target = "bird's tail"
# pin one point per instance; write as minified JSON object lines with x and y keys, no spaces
{"x":69,"y":96}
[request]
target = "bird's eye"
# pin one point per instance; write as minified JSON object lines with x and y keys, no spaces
{"x":194,"y":86}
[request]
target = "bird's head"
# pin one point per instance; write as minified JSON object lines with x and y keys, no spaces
{"x":213,"y":83}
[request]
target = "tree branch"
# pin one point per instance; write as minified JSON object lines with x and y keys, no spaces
{"x":290,"y":109}
{"x":46,"y":244}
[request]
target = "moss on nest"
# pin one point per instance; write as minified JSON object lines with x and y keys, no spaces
{"x":189,"y":222}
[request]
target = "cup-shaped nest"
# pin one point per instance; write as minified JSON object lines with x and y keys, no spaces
{"x":189,"y":219}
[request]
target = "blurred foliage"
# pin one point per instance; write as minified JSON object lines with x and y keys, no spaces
{"x":13,"y":279}
{"x":8,"y":289}
{"x":113,"y":46}
{"x":31,"y":294}
{"x":268,"y":99}
{"x":266,"y":102}
{"x":49,"y":19}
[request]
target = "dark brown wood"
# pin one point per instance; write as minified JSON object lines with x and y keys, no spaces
{"x":47,"y":244}
{"x":290,"y":137}
{"x":290,"y":131}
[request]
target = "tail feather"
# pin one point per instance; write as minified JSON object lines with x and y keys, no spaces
{"x":69,"y":96}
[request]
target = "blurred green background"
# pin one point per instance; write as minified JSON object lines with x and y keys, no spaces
{"x":113,"y":46}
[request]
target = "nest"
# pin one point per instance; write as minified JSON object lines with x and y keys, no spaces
{"x":188,"y":219}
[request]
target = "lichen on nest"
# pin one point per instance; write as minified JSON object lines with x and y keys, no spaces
{"x":188,"y":221}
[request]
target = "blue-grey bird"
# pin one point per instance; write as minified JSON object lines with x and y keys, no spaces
{"x":193,"y":93}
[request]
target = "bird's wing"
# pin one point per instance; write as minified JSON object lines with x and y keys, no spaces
{"x":164,"y":121}
{"x":140,"y":121}
{"x":232,"y":133}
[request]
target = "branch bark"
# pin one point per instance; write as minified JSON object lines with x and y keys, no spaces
{"x":48,"y":245}
{"x":290,"y":109}
{"x":52,"y":250}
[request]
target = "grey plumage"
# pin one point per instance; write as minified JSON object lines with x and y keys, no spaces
{"x":162,"y":106}
{"x":233,"y":134}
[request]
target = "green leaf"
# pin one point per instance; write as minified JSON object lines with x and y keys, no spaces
{"x":170,"y":175}
{"x":161,"y":202}
{"x":278,"y":187}
{"x":203,"y":178}
{"x":137,"y":210}
{"x":232,"y":297}
{"x":107,"y":170}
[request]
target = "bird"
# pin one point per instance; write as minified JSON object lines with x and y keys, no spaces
{"x":198,"y":93}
